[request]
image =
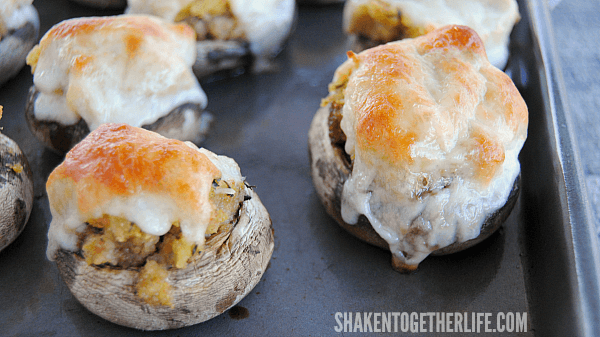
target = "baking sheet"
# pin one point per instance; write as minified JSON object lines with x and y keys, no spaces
{"x":317,"y":269}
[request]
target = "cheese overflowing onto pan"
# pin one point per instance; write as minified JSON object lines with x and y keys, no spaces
{"x":491,"y":19}
{"x":434,"y":132}
{"x":16,"y":13}
{"x":138,"y":175}
{"x":126,"y":69}
{"x":266,"y":23}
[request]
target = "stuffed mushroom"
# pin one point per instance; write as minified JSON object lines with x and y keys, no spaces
{"x":130,"y":69}
{"x":373,"y":22}
{"x":230,"y":34}
{"x":416,"y":147}
{"x":154,"y":233}
{"x":19,"y":29}
{"x":16,"y":190}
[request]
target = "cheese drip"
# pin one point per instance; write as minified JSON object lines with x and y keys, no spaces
{"x":415,"y":227}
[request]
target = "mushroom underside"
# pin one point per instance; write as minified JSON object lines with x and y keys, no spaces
{"x":214,"y":57}
{"x":62,"y":138}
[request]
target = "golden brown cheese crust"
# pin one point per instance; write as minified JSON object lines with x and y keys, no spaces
{"x":438,"y":88}
{"x":128,"y":69}
{"x":120,"y":160}
{"x":136,"y":28}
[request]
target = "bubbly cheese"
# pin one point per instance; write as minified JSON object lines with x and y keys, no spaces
{"x":266,"y":23}
{"x":126,"y":69}
{"x":434,"y":131}
{"x":137,"y":175}
{"x":491,"y":19}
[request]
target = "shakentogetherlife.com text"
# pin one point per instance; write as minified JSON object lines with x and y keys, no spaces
{"x":443,"y":322}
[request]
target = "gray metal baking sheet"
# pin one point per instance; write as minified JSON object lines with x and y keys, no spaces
{"x":539,"y":262}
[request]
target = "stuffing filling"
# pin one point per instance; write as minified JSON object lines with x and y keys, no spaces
{"x":212,"y":20}
{"x":379,"y":21}
{"x":335,"y":102}
{"x":116,"y":242}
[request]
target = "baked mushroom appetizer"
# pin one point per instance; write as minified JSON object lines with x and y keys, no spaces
{"x":19,"y":29}
{"x":230,"y":33}
{"x":154,"y":233}
{"x":130,"y":69}
{"x":16,"y":190}
{"x":415,"y":149}
{"x":373,"y":22}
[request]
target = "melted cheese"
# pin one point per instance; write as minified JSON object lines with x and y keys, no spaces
{"x":266,"y":23}
{"x":167,"y":10}
{"x":16,"y":13}
{"x":434,"y":131}
{"x":126,"y":69}
{"x":491,"y":19}
{"x":138,"y":175}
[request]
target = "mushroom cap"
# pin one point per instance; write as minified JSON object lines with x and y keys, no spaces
{"x":15,"y":46}
{"x":16,"y":191}
{"x":215,"y":280}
